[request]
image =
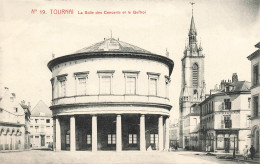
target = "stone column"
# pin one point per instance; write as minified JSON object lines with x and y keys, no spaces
{"x":142,"y":133}
{"x":72,"y":134}
{"x":118,"y":133}
{"x":94,"y":133}
{"x":160,"y":132}
{"x":58,"y":134}
{"x":167,"y":139}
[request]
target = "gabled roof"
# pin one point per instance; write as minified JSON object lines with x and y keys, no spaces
{"x":41,"y":109}
{"x":112,"y":44}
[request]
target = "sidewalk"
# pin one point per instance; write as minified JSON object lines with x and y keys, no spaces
{"x":239,"y":157}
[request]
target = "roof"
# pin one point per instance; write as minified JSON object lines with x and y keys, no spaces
{"x":253,"y":55}
{"x":41,"y":109}
{"x":238,"y":87}
{"x":241,"y":86}
{"x":112,"y":44}
{"x":112,"y":48}
{"x":193,"y":30}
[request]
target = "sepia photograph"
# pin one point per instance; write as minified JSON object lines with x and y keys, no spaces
{"x":126,"y":82}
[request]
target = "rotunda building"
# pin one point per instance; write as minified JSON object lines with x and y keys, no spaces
{"x":111,"y":96}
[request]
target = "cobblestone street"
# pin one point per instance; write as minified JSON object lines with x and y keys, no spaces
{"x":48,"y":157}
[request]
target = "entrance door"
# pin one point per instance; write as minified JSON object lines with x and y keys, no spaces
{"x":227,"y":145}
{"x":42,"y":140}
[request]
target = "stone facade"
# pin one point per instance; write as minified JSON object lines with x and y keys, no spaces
{"x":193,"y":84}
{"x":111,"y":96}
{"x":41,"y":126}
{"x":255,"y":91}
{"x":225,"y":117}
{"x":13,"y":121}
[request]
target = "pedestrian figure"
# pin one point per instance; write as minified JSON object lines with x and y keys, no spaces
{"x":245,"y":153}
{"x":252,"y":151}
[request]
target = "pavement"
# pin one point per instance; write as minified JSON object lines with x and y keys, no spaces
{"x":106,"y":157}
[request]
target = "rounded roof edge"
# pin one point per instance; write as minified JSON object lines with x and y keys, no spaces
{"x":109,"y":54}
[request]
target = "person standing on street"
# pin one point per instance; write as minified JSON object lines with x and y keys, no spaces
{"x":245,"y":153}
{"x":252,"y":152}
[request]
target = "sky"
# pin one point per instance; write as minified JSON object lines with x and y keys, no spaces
{"x":227,"y":30}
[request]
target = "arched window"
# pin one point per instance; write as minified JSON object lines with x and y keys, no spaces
{"x":195,"y":74}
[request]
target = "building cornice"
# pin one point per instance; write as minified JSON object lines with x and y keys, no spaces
{"x":110,"y":54}
{"x":142,"y":104}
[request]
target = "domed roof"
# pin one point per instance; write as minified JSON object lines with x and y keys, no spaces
{"x":112,"y":44}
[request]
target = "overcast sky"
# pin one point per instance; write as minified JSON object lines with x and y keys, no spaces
{"x":228,"y":30}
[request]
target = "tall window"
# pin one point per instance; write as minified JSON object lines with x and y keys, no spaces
{"x":105,"y":81}
{"x":131,"y":81}
{"x":153,"y":138}
{"x":227,"y":103}
{"x":62,"y":88}
{"x":153,"y":86}
{"x":111,"y":139}
{"x":227,"y":122}
{"x":255,"y":75}
{"x":81,"y":86}
{"x":153,"y":83}
{"x":81,"y":82}
{"x":255,"y":106}
{"x":131,"y":85}
{"x":132,"y":139}
{"x":105,"y":85}
{"x":88,"y":139}
{"x":195,"y":75}
{"x":62,"y":84}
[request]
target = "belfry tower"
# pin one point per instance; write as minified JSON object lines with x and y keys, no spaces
{"x":193,"y":84}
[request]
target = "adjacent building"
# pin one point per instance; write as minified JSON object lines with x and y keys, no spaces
{"x":41,"y":126}
{"x":192,"y":85}
{"x":13,"y":121}
{"x":255,"y":91}
{"x":174,"y":134}
{"x":225,"y":117}
{"x":111,"y":96}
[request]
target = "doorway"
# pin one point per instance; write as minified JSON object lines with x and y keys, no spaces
{"x":227,"y":144}
{"x":42,"y":140}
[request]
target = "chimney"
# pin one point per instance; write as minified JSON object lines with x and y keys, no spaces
{"x":6,"y":88}
{"x":234,"y":78}
{"x":23,"y":102}
{"x":13,"y":94}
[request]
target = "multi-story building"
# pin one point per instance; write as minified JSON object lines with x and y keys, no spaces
{"x":41,"y":126}
{"x":13,"y":120}
{"x":191,"y":126}
{"x":111,"y":96}
{"x":193,"y":84}
{"x":225,"y":117}
{"x":255,"y":91}
{"x":174,"y":134}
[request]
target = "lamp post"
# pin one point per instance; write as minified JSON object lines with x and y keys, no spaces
{"x":234,"y":151}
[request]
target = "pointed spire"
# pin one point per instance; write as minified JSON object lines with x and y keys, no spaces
{"x":193,"y":30}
